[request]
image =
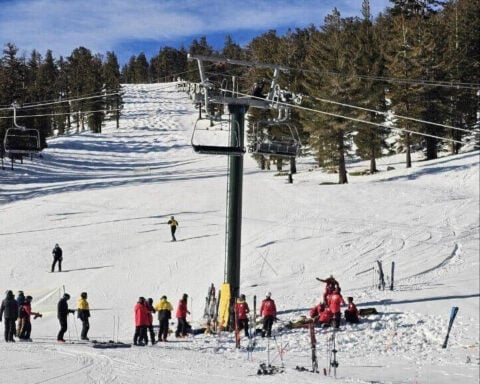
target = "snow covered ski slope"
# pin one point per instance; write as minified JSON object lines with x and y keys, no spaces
{"x":106,"y":200}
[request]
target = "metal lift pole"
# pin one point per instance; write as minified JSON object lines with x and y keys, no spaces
{"x":234,"y":221}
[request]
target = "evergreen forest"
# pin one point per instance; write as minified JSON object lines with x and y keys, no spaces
{"x":415,"y":67}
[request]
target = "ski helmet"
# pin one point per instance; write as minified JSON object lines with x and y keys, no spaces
{"x":83,"y":295}
{"x":242,"y":297}
{"x":163,"y":297}
{"x":66,"y":296}
{"x":28,"y":298}
{"x":141,"y":299}
{"x":269,"y":294}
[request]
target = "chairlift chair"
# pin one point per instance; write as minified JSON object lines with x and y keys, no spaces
{"x":219,"y":128}
{"x":285,"y":145}
{"x":22,"y":140}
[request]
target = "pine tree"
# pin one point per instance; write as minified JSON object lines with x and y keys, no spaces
{"x":111,"y":74}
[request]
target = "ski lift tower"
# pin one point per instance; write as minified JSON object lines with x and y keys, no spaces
{"x":238,"y":105}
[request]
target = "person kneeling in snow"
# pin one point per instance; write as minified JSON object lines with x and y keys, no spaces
{"x":351,"y":313}
{"x":321,"y":314}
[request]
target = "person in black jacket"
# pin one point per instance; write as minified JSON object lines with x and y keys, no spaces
{"x":9,"y":311}
{"x":62,"y":314}
{"x":57,"y":254}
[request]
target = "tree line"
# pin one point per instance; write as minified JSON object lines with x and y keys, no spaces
{"x":415,"y":64}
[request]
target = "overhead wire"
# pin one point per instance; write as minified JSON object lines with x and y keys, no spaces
{"x":356,"y":119}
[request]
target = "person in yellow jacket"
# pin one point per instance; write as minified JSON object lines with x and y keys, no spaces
{"x":164,"y":309}
{"x":173,"y":227}
{"x":83,"y":313}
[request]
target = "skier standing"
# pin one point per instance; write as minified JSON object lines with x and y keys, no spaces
{"x":20,"y":301}
{"x":351,"y":313}
{"x":268,"y":310}
{"x":335,"y":301}
{"x":83,"y":313}
{"x":9,"y":311}
{"x":141,"y":322}
{"x":57,"y":254}
{"x":181,"y":315}
{"x":164,"y":309}
{"x":151,"y":311}
{"x":242,"y":310}
{"x":25,"y":312}
{"x":173,"y":227}
{"x":62,"y":315}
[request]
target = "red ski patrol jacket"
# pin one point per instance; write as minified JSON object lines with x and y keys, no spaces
{"x":182,"y":310}
{"x":325,"y":316}
{"x":268,"y":308}
{"x":353,"y":308}
{"x":241,"y":307}
{"x":335,"y":301}
{"x":141,"y":315}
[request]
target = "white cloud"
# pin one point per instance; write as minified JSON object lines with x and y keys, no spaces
{"x":101,"y":25}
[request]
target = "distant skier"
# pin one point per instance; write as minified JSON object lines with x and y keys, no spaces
{"x":25,"y":312}
{"x":141,"y":322}
{"x":57,"y":254}
{"x":173,"y":227}
{"x":151,"y":311}
{"x":242,"y":311}
{"x":351,"y":313}
{"x":335,"y":301}
{"x":331,"y":285}
{"x":9,"y":311}
{"x":268,"y":310}
{"x":181,"y":315}
{"x":62,"y":315}
{"x":257,"y":89}
{"x":164,"y":309}
{"x":83,"y":313}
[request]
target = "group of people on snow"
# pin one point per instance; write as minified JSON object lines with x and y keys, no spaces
{"x":329,"y":311}
{"x":144,"y":311}
{"x":17,"y":311}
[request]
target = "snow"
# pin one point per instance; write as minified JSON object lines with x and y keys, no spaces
{"x":106,"y":199}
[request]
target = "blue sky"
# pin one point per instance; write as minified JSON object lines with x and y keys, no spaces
{"x":130,"y":27}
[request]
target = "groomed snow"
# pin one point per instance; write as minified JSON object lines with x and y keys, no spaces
{"x":106,"y":198}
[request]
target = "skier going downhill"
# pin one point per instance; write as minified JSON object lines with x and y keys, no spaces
{"x":57,"y":254}
{"x":173,"y":227}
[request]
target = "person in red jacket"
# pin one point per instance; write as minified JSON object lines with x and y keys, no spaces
{"x":242,"y":310}
{"x":269,"y":312}
{"x":330,"y":285}
{"x":181,"y":315}
{"x":151,"y":311}
{"x":351,"y":313}
{"x":321,"y":314}
{"x":335,"y":302}
{"x":141,"y":322}
{"x":25,"y":311}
